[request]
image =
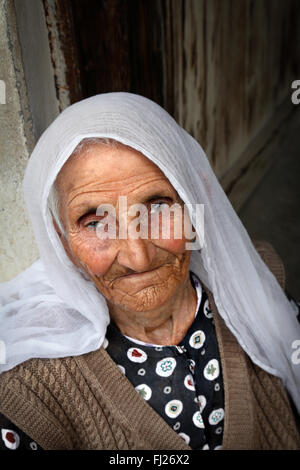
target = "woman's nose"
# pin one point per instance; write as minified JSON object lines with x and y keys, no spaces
{"x":136,"y":254}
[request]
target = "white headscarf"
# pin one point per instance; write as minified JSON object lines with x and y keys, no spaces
{"x":51,"y":310}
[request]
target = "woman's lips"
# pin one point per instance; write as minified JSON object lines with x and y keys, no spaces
{"x":152,"y":275}
{"x":140,"y":274}
{"x":144,"y":275}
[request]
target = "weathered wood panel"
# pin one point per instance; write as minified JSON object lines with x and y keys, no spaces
{"x":230,"y":63}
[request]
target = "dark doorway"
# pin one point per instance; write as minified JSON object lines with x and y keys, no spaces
{"x":118,"y":46}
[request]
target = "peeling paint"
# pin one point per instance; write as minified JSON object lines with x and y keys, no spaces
{"x":57,"y":55}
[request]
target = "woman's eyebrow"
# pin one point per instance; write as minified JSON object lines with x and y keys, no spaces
{"x":90,"y":210}
{"x":165,"y":195}
{"x":157,"y":196}
{"x":84,"y":209}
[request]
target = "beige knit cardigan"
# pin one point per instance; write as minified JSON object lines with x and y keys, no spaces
{"x":85,"y":402}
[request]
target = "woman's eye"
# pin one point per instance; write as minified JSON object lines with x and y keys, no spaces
{"x":92,"y":225}
{"x":157,"y":206}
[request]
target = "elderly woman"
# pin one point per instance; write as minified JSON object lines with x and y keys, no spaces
{"x":147,"y":323}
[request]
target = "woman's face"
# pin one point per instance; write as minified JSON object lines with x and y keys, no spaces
{"x":138,"y":274}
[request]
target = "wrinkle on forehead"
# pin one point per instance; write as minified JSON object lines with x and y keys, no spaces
{"x":126,"y":173}
{"x":112,"y":191}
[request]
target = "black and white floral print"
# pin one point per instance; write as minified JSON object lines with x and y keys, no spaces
{"x":183,"y":382}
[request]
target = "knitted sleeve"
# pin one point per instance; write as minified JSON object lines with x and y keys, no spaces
{"x":282,"y":413}
{"x":24,"y":405}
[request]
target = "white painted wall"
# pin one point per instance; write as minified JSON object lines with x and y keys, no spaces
{"x":30,"y":106}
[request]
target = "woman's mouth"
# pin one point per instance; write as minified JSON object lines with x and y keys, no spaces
{"x":140,"y":274}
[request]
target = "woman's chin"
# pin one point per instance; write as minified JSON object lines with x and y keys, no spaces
{"x":144,"y":302}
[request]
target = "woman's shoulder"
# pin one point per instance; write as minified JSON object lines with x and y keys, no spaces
{"x":31,"y":371}
{"x":28,"y":382}
{"x":39,"y":378}
{"x":32,"y":397}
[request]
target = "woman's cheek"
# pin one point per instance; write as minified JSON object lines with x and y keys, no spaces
{"x":176,"y":246}
{"x":93,"y":255}
{"x":176,"y":242}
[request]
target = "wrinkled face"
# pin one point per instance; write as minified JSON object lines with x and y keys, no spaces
{"x":139,"y":274}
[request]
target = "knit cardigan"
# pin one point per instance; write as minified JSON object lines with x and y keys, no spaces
{"x":85,"y":402}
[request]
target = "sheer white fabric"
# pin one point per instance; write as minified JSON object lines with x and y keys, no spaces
{"x":51,"y":310}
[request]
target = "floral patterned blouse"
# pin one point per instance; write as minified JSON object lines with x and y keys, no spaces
{"x":183,"y":383}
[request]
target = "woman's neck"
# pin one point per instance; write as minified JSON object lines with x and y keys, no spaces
{"x":166,"y":325}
